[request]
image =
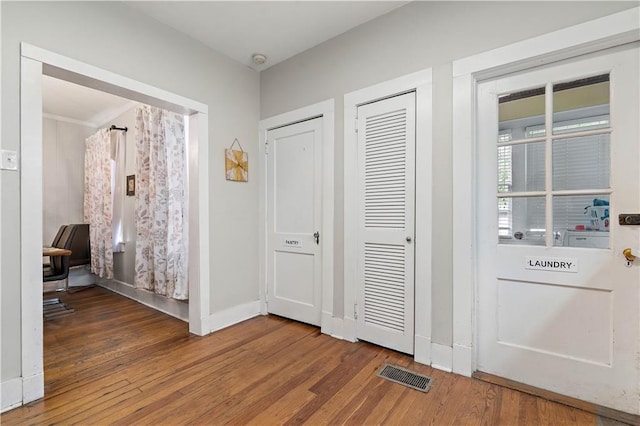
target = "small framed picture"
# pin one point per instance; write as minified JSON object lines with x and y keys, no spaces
{"x":131,"y":185}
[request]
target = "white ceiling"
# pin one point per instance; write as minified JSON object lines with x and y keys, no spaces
{"x":238,"y":29}
{"x":69,"y":101}
{"x":277,"y":29}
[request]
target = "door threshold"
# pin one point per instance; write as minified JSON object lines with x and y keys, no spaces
{"x":599,"y":410}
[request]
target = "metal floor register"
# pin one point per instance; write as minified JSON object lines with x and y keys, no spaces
{"x":405,"y":377}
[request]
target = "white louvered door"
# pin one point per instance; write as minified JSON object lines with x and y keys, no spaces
{"x":386,"y":181}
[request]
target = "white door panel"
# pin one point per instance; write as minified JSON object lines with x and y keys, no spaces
{"x":386,"y":173}
{"x":294,"y":216}
{"x":552,"y":313}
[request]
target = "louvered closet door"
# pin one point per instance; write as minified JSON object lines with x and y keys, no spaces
{"x":386,"y":173}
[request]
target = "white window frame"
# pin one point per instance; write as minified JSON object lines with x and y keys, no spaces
{"x":607,"y":32}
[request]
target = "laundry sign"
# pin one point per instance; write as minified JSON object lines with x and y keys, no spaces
{"x":555,"y":264}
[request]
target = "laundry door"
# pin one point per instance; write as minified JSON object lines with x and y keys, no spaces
{"x":558,"y":160}
{"x":294,"y":237}
{"x":386,"y":205}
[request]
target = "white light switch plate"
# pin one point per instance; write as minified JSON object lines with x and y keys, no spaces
{"x":9,"y":160}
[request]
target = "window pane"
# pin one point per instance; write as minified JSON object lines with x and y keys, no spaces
{"x":521,"y":220}
{"x":521,"y":168}
{"x":578,"y":103}
{"x":581,"y":163}
{"x":581,"y":220}
{"x":520,"y":110}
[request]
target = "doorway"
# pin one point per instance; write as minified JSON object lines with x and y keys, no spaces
{"x":411,"y":94}
{"x":386,"y":223}
{"x":35,"y":63}
{"x":296,"y":216}
{"x":294,"y":219}
{"x":557,"y":301}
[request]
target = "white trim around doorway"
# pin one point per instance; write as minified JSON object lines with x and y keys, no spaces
{"x":592,"y":36}
{"x":421,"y":83}
{"x":328,"y":324}
{"x":36,"y":62}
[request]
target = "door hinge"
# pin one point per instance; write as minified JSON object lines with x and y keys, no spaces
{"x":355,"y":311}
{"x":266,"y":148}
{"x":356,"y":124}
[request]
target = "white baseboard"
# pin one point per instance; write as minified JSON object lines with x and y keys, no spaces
{"x":441,"y":357}
{"x":200,"y":326}
{"x":231,"y":316}
{"x":422,"y":350}
{"x":349,"y":329}
{"x":10,"y":394}
{"x":462,"y":360}
{"x":32,"y":388}
{"x":338,"y":328}
{"x":175,"y":308}
{"x":331,"y":326}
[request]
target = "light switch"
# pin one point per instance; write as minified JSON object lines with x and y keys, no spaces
{"x":9,"y":160}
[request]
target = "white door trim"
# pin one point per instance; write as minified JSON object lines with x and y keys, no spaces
{"x":602,"y":33}
{"x":36,"y":62}
{"x":421,"y":83}
{"x":325,"y":110}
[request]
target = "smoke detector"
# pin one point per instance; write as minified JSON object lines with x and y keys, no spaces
{"x":258,"y":58}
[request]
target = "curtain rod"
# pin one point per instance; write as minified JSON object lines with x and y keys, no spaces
{"x":113,"y":127}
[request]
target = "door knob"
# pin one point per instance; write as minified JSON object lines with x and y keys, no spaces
{"x":630,"y":254}
{"x":408,"y":239}
{"x":316,"y":236}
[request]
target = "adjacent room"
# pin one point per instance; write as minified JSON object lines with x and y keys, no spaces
{"x":371,"y":212}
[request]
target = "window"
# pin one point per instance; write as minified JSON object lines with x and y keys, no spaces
{"x":579,"y":150}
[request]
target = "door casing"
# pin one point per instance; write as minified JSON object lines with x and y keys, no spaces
{"x":420,"y":82}
{"x":36,"y":62}
{"x":325,"y":110}
{"x":592,"y":36}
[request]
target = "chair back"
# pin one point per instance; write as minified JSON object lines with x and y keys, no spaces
{"x":66,"y":239}
{"x":56,"y":239}
{"x":80,"y":246}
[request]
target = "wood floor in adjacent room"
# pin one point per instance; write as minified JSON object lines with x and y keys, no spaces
{"x":116,"y":361}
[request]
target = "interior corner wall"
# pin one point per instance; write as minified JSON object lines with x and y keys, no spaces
{"x":63,"y":175}
{"x":117,"y":38}
{"x":414,"y":37}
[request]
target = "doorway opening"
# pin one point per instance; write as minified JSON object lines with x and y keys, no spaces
{"x":35,"y":63}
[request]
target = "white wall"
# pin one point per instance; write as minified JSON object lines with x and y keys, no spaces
{"x":414,"y":37}
{"x":114,"y":37}
{"x":62,"y":175}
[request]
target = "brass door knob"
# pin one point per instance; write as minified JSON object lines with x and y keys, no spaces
{"x":628,"y":254}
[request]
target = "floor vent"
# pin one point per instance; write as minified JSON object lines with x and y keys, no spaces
{"x":405,"y":377}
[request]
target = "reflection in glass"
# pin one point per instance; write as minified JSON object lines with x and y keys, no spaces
{"x":581,"y":220}
{"x":581,"y":104}
{"x":581,"y":163}
{"x":521,"y":220}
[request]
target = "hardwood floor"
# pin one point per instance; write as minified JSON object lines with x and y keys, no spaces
{"x":115,"y":361}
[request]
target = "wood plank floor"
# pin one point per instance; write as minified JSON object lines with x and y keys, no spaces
{"x":115,"y":361}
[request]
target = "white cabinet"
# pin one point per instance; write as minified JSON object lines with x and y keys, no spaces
{"x":590,"y":239}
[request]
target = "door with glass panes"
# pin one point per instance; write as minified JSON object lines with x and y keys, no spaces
{"x":558,"y":160}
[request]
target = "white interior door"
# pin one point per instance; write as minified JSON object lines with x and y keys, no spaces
{"x":294,"y":237}
{"x":386,"y":205}
{"x":558,"y":160}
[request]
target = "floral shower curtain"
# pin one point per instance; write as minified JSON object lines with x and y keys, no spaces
{"x":161,"y":203}
{"x":98,"y":201}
